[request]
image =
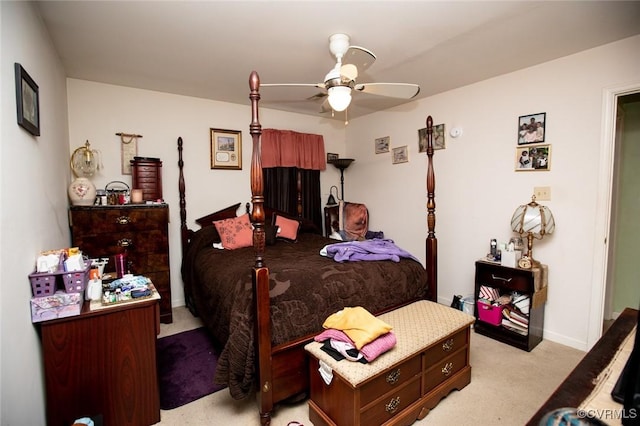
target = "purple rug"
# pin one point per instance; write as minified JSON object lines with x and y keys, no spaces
{"x":186,"y":364}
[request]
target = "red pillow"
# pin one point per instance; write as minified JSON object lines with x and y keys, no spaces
{"x":287,"y":228}
{"x":236,"y":232}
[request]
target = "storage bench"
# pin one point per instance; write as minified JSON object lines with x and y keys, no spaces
{"x":430,"y":359}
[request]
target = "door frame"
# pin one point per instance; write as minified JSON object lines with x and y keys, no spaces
{"x":603,"y":208}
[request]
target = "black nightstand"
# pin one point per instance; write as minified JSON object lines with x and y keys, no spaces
{"x":506,"y":280}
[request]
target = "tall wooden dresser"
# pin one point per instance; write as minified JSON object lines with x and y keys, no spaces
{"x":139,"y":230}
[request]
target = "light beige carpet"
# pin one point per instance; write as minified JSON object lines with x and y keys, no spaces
{"x":507,"y":387}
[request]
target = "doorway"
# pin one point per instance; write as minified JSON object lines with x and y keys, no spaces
{"x":604,"y":261}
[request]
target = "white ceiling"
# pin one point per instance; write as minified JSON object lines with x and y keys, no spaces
{"x":207,"y":49}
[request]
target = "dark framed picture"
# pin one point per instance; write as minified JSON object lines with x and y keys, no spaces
{"x":533,"y":158}
{"x":226,"y":149}
{"x":331,"y":157}
{"x":27,"y":101}
{"x":382,"y":145}
{"x":531,"y":128}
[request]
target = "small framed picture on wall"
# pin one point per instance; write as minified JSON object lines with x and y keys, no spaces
{"x":531,"y":128}
{"x":400,"y":155}
{"x":382,"y":145}
{"x":533,"y":158}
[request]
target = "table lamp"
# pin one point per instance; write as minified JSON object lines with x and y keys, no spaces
{"x":534,"y":221}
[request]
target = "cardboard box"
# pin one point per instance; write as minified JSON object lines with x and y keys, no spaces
{"x":57,"y":305}
{"x":539,"y":297}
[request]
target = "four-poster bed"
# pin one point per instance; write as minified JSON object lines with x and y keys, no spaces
{"x":263,"y":314}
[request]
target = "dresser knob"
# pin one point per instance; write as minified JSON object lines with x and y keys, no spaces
{"x":448,"y":367}
{"x":393,"y":377}
{"x":125,"y":242}
{"x":392,"y":405}
{"x":123,"y":220}
{"x":448,"y":345}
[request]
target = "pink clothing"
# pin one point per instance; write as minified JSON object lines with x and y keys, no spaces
{"x":370,"y":351}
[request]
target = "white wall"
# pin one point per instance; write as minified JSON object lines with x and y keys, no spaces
{"x":477,"y":189}
{"x":98,"y":111}
{"x":33,"y":205}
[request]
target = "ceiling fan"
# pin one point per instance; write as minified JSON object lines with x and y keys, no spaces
{"x":340,"y":81}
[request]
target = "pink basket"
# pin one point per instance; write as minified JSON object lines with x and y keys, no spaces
{"x":489,"y":313}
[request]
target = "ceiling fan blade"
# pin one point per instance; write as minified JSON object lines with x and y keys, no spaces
{"x":325,"y":107}
{"x":392,"y":90}
{"x":349,"y":71}
{"x":360,"y":57}
{"x":317,"y":96}
{"x":318,"y":85}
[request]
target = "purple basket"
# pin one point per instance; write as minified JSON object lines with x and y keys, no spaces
{"x":76,"y":281}
{"x":45,"y":283}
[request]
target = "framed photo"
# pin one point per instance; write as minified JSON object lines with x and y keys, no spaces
{"x":533,"y":158}
{"x":400,"y":155}
{"x":226,"y":149}
{"x":27,"y":101}
{"x":438,"y":138}
{"x":382,"y":145}
{"x":331,"y":157}
{"x":531,"y":128}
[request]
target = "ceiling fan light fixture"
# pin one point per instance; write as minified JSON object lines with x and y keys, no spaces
{"x":339,"y":97}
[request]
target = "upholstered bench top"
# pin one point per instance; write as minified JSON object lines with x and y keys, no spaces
{"x":416,"y":327}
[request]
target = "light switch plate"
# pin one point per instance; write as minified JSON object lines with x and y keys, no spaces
{"x":542,"y":193}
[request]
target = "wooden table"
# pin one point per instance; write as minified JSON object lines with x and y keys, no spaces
{"x":103,"y":362}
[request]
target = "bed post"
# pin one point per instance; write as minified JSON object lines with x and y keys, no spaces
{"x":184,"y":231}
{"x":260,"y":273}
{"x":432,"y":241}
{"x":299,"y":193}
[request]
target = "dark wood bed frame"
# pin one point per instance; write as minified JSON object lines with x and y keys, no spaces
{"x":282,"y":370}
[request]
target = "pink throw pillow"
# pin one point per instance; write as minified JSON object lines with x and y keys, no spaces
{"x":235,"y":233}
{"x":287,"y":228}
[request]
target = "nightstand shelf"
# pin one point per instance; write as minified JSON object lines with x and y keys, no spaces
{"x":506,"y":280}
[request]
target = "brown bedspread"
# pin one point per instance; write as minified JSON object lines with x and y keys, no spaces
{"x":305,"y":288}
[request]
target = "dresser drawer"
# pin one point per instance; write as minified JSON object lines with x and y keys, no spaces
{"x":390,"y":379}
{"x":109,"y":220}
{"x":147,"y":170}
{"x":391,"y":403}
{"x":494,"y":276}
{"x":446,"y":347}
{"x":444,"y":369}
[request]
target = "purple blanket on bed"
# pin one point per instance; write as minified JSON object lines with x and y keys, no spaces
{"x":376,"y":249}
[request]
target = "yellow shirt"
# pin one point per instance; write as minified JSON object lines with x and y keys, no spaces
{"x":357,"y":323}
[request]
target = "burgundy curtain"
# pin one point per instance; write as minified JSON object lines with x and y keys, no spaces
{"x":286,"y":153}
{"x":280,"y":192}
{"x":286,"y":148}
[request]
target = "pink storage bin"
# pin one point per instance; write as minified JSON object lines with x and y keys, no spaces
{"x":489,"y":313}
